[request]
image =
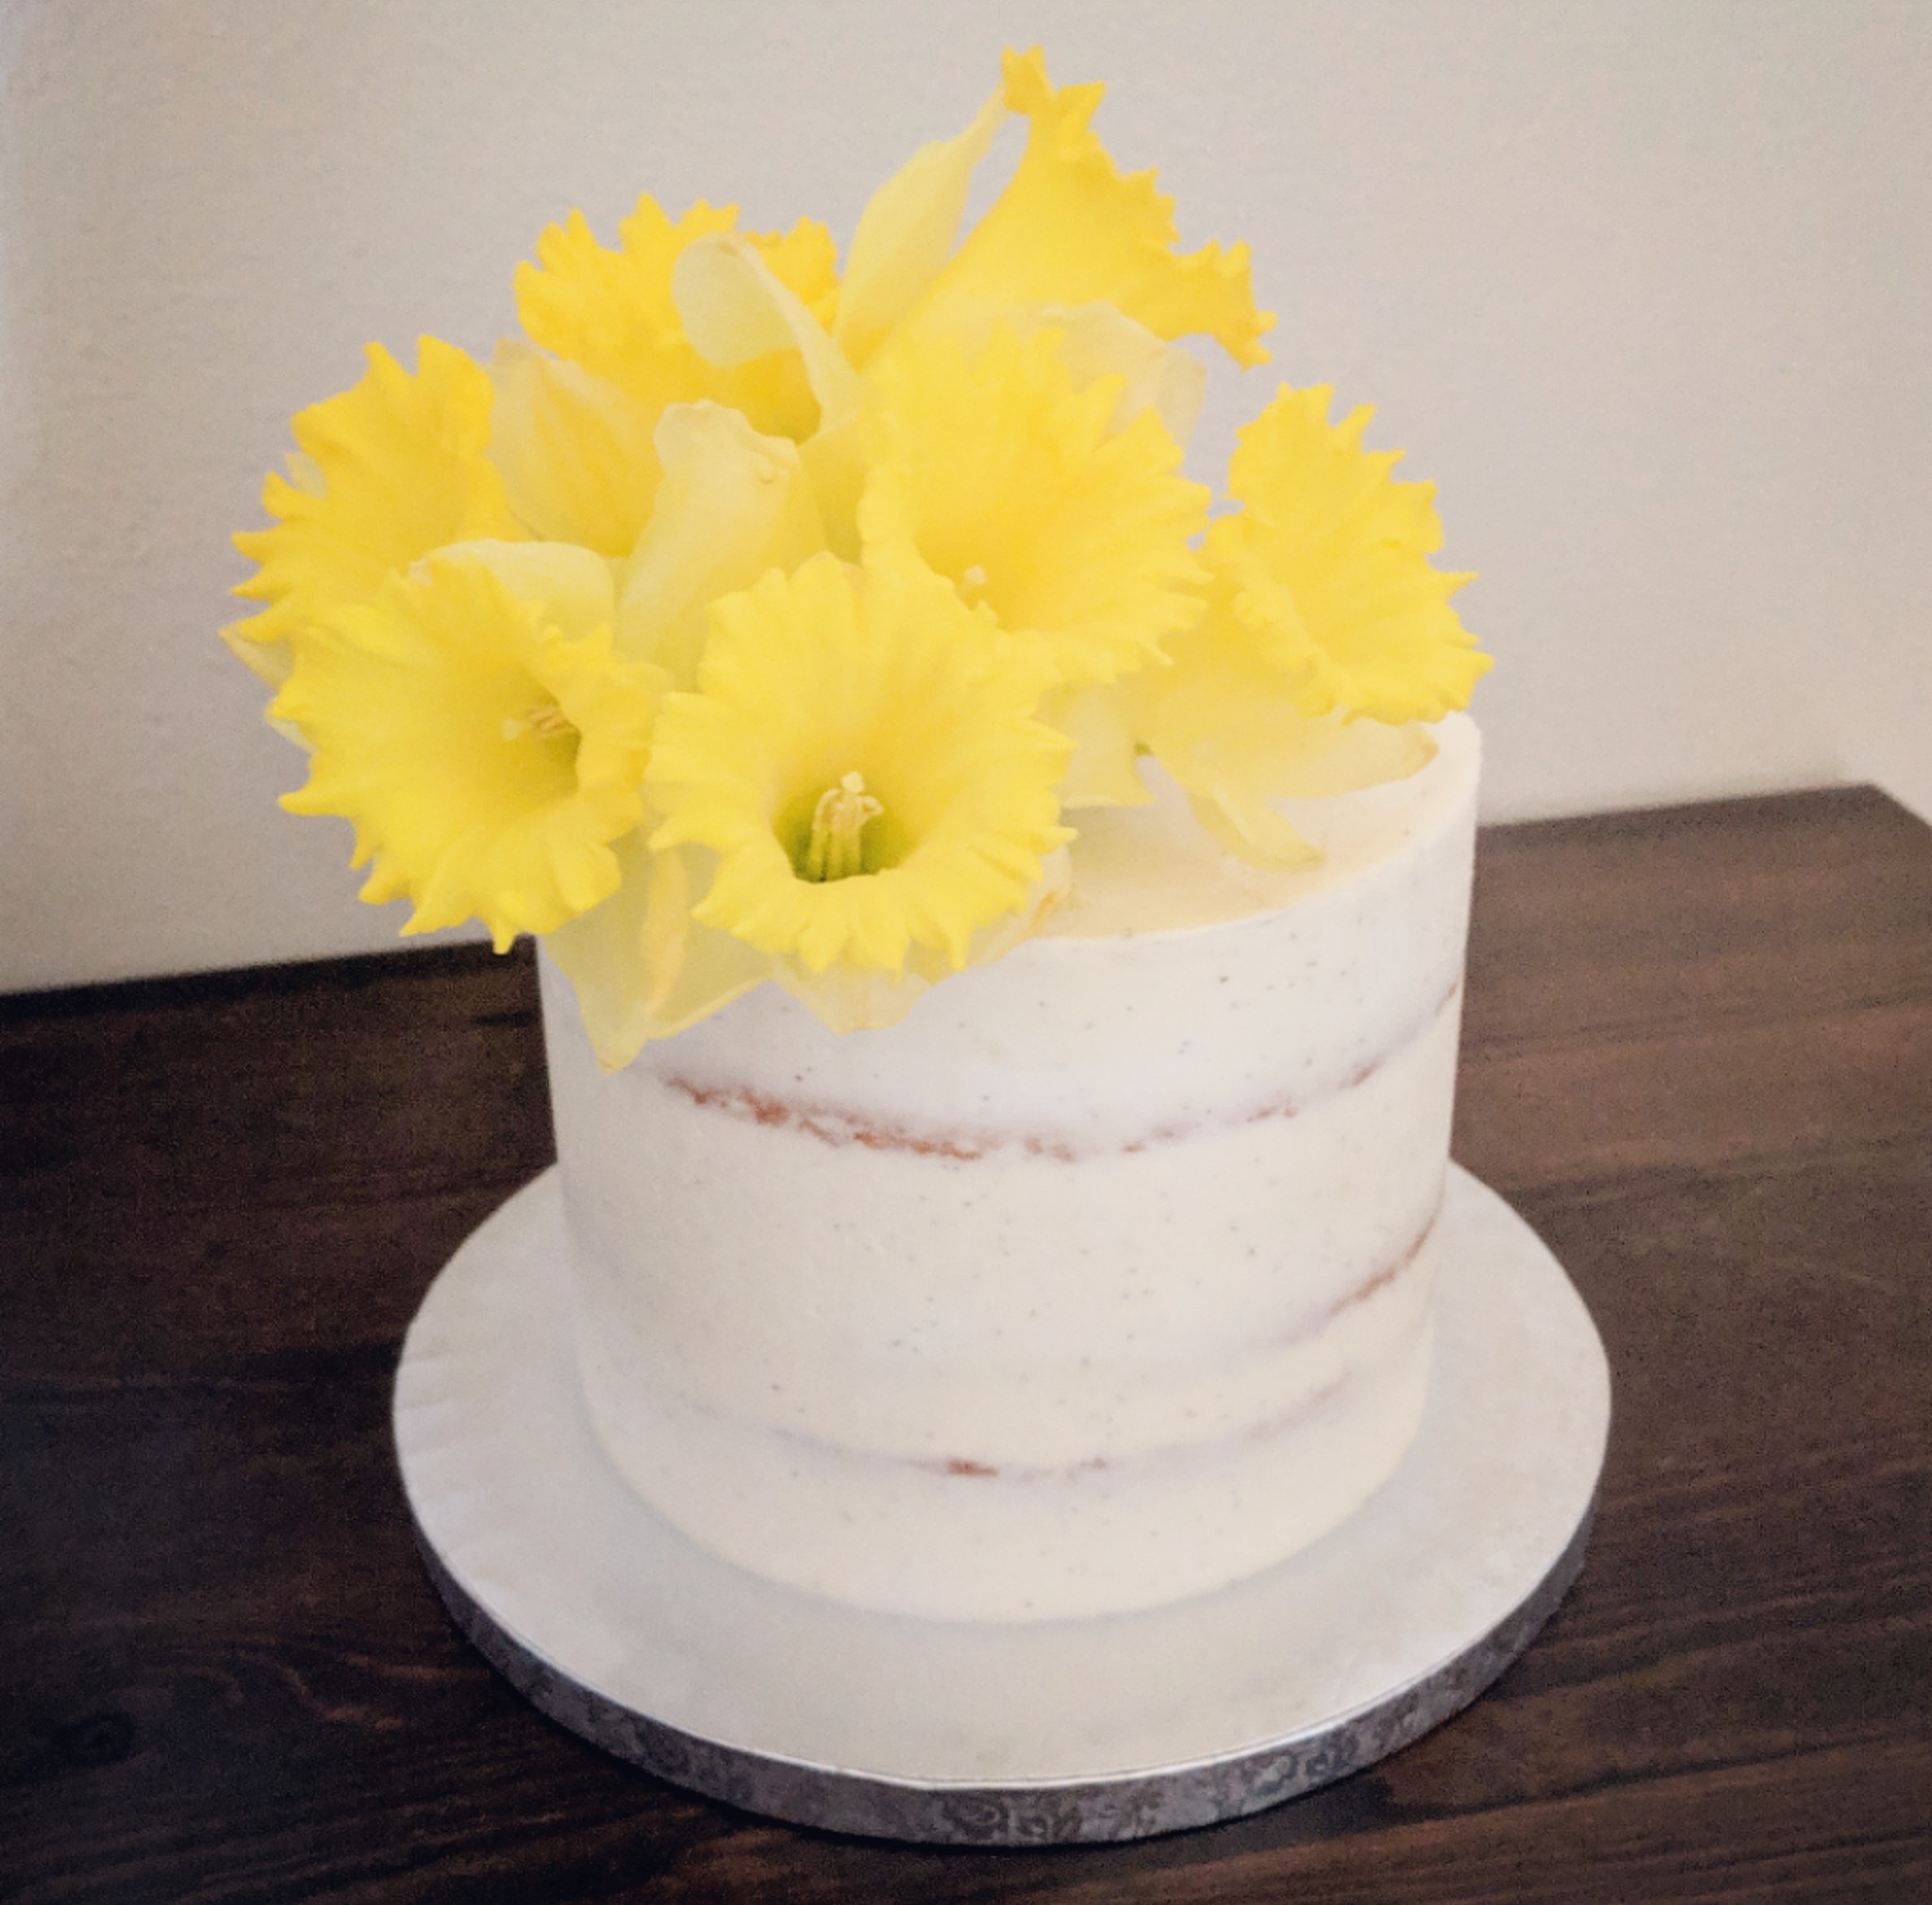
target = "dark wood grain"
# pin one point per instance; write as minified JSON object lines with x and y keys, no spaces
{"x":1698,"y":1056}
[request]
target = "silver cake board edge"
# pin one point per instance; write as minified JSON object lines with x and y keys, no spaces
{"x":1110,"y":1809}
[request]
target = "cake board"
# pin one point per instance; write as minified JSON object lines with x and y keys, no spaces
{"x":616,"y":1626}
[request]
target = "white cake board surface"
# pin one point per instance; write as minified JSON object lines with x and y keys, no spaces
{"x":618,"y":1626}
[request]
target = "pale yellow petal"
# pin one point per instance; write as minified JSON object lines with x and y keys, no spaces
{"x":907,"y":231}
{"x":575,"y":588}
{"x":266,"y":657}
{"x":849,"y":998}
{"x":1101,"y":772}
{"x":805,"y":260}
{"x":1097,"y":341}
{"x":1342,"y":756}
{"x":1228,"y":726}
{"x":735,"y":309}
{"x":642,"y":966}
{"x":731,"y":506}
{"x":1247,"y":826}
{"x":835,"y":464}
{"x":575,"y":451}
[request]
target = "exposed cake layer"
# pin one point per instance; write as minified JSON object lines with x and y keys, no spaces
{"x":1010,"y":1304}
{"x":938,"y":1319}
{"x":963,"y":1541}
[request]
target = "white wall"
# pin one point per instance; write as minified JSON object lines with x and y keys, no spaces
{"x":1642,"y":286}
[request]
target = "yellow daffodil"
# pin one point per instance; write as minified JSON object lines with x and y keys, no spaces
{"x":474,"y":724}
{"x":1327,"y":641}
{"x":613,"y":313}
{"x":862,"y":756}
{"x":577,"y":452}
{"x":1016,"y":488}
{"x":744,"y":623}
{"x":582,"y":456}
{"x":1328,"y":565}
{"x":388,"y":471}
{"x":1070,"y":230}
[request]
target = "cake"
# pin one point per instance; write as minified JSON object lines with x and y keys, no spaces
{"x":1099,"y":1280}
{"x":1002,"y":904}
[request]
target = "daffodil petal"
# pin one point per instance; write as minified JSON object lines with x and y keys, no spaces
{"x":642,"y":968}
{"x":1310,"y":760}
{"x":1228,"y":726}
{"x":1246,"y":827}
{"x":387,"y":471}
{"x":1070,"y":230}
{"x":849,"y":998}
{"x":907,"y":231}
{"x":735,"y":309}
{"x":1101,"y":772}
{"x":266,"y":656}
{"x":575,"y":450}
{"x":806,"y":262}
{"x":732,"y":505}
{"x":1097,"y":341}
{"x":1343,"y":757}
{"x":575,"y":588}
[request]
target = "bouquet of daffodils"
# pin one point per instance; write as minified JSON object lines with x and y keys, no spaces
{"x":747,"y":621}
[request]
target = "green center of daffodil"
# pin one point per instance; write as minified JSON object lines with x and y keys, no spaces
{"x":836,"y":848}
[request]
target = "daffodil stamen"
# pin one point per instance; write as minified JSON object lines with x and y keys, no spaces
{"x":545,"y":719}
{"x":836,"y":849}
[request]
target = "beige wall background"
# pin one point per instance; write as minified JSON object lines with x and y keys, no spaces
{"x":1643,"y":287}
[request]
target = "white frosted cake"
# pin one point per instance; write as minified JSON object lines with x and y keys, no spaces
{"x":1099,"y":1281}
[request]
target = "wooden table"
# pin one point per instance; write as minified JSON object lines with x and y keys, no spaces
{"x":1698,"y":1059}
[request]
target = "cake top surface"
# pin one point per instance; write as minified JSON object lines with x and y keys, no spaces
{"x":1154,"y":869}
